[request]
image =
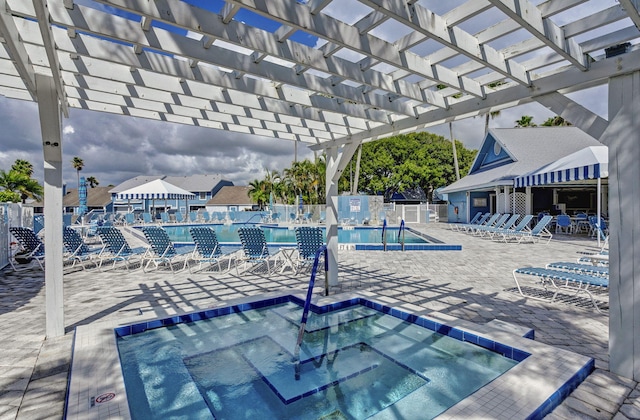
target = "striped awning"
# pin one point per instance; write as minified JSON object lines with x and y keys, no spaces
{"x":589,"y":163}
{"x":155,"y":190}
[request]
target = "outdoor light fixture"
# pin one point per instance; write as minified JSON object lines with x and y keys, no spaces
{"x":617,"y":49}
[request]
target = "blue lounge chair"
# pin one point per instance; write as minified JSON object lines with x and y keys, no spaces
{"x":193,"y":216}
{"x":590,"y":269}
{"x":205,"y":217}
{"x":505,"y":226}
{"x":575,"y":283}
{"x":146,"y":218}
{"x":207,"y":248}
{"x":489,"y":222}
{"x":496,"y":225}
{"x":538,"y":232}
{"x":116,"y":248}
{"x":129,"y":219}
{"x":481,"y":221}
{"x":78,"y":251}
{"x":164,"y":217}
{"x":309,"y":240}
{"x":31,"y":249}
{"x":254,"y":247}
{"x":179,"y":217}
{"x":522,"y":226}
{"x":473,"y":221}
{"x":161,"y":250}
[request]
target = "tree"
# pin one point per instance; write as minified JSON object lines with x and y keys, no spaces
{"x":78,"y":164}
{"x":23,"y":166}
{"x":453,"y":142}
{"x":525,"y":121}
{"x":492,"y":114}
{"x":20,"y":184}
{"x":93,"y":182}
{"x":556,"y":121}
{"x":258,"y":192}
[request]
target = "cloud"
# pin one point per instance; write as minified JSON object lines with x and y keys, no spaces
{"x":68,"y":129}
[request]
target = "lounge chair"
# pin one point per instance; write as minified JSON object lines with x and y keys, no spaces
{"x":116,"y":248}
{"x":78,"y":251}
{"x":161,"y":250}
{"x":146,"y":218}
{"x":538,"y":232}
{"x":522,"y":226}
{"x":490,"y":222}
{"x":505,"y":226}
{"x":309,"y":240}
{"x":474,"y":220}
{"x":31,"y":249}
{"x":592,"y":270}
{"x":254,"y":247}
{"x":129,"y":219}
{"x":481,"y":221}
{"x":193,"y":217}
{"x":164,"y":217}
{"x":179,"y":217}
{"x":205,"y":217}
{"x":573,"y":282}
{"x":207,"y":248}
{"x":496,"y":225}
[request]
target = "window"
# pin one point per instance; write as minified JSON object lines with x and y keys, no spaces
{"x":479,"y":202}
{"x":203,"y":196}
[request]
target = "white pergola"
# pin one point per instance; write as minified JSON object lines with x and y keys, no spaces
{"x":334,"y":74}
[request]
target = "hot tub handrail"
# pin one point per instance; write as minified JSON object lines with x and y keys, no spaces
{"x":307,"y":303}
{"x":384,"y":234}
{"x":401,"y":233}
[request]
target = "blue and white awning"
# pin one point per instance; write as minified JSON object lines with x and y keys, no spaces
{"x":589,"y":163}
{"x":155,"y":190}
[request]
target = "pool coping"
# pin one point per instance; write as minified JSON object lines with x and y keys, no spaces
{"x":531,"y":389}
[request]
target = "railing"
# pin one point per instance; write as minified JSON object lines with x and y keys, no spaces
{"x":307,"y":303}
{"x":384,"y":234}
{"x":260,"y":215}
{"x":401,"y":234}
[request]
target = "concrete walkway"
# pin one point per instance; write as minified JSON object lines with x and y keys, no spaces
{"x":474,"y":284}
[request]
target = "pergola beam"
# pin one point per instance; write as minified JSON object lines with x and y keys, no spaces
{"x":16,"y":49}
{"x":632,"y":8}
{"x":529,"y":17}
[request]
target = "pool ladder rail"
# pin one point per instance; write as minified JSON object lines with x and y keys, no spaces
{"x":401,"y":232}
{"x":307,"y":303}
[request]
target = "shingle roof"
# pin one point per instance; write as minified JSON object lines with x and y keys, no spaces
{"x":192,"y":183}
{"x":96,"y":197}
{"x":233,"y":195}
{"x":530,"y":148}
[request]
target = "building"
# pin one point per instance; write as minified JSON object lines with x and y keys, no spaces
{"x":231,"y":199}
{"x":510,"y":154}
{"x":203,"y":186}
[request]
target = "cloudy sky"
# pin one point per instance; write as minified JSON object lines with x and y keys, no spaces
{"x":115,"y":148}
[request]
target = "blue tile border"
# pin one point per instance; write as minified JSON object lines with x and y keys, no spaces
{"x":507,"y":351}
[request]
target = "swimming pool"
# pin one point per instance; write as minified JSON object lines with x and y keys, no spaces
{"x":349,"y":237}
{"x":532,"y":388}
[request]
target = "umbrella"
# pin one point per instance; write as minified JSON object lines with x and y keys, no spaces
{"x":156,"y":189}
{"x":82,"y":197}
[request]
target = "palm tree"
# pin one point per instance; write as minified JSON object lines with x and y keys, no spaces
{"x":78,"y":164}
{"x":556,"y":121}
{"x":258,"y":192}
{"x":93,"y":182}
{"x":20,"y":183}
{"x":525,"y":121}
{"x":23,"y":166}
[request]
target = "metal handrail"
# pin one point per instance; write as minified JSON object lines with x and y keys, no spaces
{"x":401,"y":232}
{"x":384,"y":234}
{"x":307,"y":303}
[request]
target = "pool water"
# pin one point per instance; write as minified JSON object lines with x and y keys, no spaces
{"x":284,"y":234}
{"x":355,"y":363}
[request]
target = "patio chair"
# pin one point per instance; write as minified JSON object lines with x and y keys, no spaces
{"x":31,"y":249}
{"x":505,"y":234}
{"x":207,"y":248}
{"x":77,"y":249}
{"x":309,"y":240}
{"x":574,"y":283}
{"x":564,"y":224}
{"x":490,"y":222}
{"x":538,"y":232}
{"x":254,"y":247}
{"x":161,"y":249}
{"x":116,"y":248}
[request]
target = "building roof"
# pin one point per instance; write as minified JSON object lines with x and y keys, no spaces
{"x":192,"y":183}
{"x":231,"y":195}
{"x":96,"y":197}
{"x":511,"y":152}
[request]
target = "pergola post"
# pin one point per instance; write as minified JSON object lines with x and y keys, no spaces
{"x":337,"y":160}
{"x":51,"y":128}
{"x":624,"y":212}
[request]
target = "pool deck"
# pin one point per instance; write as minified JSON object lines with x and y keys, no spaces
{"x":474,"y":284}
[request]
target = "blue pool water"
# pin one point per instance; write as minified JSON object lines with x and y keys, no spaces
{"x":357,"y":361}
{"x":285,"y":234}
